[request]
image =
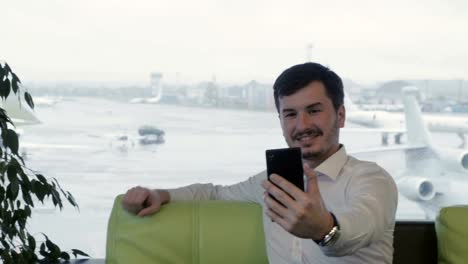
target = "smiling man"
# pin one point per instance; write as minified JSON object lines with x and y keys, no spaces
{"x":346,"y":214}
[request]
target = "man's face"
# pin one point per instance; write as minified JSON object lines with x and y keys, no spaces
{"x":309,"y":121}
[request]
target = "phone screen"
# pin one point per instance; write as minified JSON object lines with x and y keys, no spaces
{"x":286,"y":162}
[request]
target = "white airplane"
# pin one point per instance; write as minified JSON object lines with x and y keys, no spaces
{"x":432,"y":176}
{"x":382,"y":107}
{"x":46,"y":101}
{"x":156,"y":91}
{"x":391,"y":122}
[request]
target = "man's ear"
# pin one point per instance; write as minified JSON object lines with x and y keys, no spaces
{"x":341,"y":114}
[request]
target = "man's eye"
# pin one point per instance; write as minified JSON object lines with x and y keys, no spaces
{"x":314,"y":111}
{"x":290,"y":115}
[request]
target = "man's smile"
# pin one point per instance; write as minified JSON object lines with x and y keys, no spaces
{"x":307,"y":137}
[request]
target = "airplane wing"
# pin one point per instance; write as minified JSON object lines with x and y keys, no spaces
{"x":20,"y":113}
{"x":380,"y":150}
{"x":373,"y":130}
{"x":25,"y":122}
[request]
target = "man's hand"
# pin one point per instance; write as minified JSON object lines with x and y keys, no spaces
{"x":143,"y":201}
{"x":302,"y":214}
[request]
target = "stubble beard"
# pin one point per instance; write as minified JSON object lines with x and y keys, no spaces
{"x":317,"y":157}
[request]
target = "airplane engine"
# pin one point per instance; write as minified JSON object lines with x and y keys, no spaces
{"x":455,"y":159}
{"x":416,"y":188}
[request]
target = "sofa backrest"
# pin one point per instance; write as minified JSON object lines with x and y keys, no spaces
{"x":188,"y":232}
{"x":225,"y":232}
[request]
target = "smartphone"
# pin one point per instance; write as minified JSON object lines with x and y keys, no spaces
{"x":287,"y":163}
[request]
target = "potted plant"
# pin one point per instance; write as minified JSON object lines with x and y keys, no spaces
{"x":21,"y":188}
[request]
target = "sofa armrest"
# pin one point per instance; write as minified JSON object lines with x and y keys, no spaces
{"x":452,"y":234}
{"x":188,"y":232}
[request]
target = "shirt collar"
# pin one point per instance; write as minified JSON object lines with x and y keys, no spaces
{"x":331,"y":167}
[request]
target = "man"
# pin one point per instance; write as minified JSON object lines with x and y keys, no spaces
{"x":347,"y":212}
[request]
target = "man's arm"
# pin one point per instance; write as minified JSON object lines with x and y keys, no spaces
{"x":143,"y":201}
{"x":372,"y":200}
{"x":248,"y":190}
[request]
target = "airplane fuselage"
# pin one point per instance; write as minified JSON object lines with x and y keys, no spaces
{"x":382,"y":119}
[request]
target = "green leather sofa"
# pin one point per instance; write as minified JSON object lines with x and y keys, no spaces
{"x":188,"y":232}
{"x":232,"y":232}
{"x":452,"y":235}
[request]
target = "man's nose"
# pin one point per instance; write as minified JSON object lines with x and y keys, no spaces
{"x":303,"y":121}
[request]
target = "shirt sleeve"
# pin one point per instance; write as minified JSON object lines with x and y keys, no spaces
{"x":249,"y":190}
{"x":369,"y":214}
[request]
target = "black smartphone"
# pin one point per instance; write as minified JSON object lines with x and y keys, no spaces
{"x":287,"y":163}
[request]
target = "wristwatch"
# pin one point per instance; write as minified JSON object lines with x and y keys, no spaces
{"x":331,"y":236}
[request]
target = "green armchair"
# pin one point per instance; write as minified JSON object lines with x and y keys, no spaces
{"x":188,"y":232}
{"x":451,"y":228}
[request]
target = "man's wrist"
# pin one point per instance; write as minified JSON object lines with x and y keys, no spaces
{"x":325,"y":227}
{"x":332,"y":234}
{"x":164,"y":196}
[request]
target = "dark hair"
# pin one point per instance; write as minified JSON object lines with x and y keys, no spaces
{"x":301,"y":75}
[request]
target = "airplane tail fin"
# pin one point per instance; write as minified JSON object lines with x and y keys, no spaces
{"x":156,"y":88}
{"x":418,"y":134}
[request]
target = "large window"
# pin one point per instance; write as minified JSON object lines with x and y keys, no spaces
{"x":104,"y":72}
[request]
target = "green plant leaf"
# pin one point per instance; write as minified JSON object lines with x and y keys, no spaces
{"x":5,"y":205}
{"x":11,"y":173}
{"x":5,"y":88}
{"x":6,"y":257}
{"x":65,"y":256}
{"x":54,"y":249}
{"x":15,"y":78}
{"x":2,"y":72}
{"x":4,"y":119}
{"x":12,"y":190}
{"x":38,"y":190}
{"x":71,"y":199}
{"x":31,"y":242}
{"x":5,"y":244}
{"x":77,"y":252}
{"x":2,"y":194}
{"x":29,"y":99}
{"x":56,"y":198}
{"x":7,"y":68}
{"x":14,"y":86}
{"x":27,"y":196}
{"x":25,"y":179}
{"x":41,"y":178}
{"x":12,"y":141}
{"x":2,"y":167}
{"x":27,"y":211}
{"x":42,"y":250}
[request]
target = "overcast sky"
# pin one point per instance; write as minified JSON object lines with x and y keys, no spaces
{"x":235,"y":41}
